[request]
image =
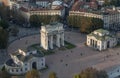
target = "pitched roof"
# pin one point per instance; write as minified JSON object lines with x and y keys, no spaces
{"x":102,"y":31}
{"x":103,"y":37}
{"x":25,"y":58}
{"x":30,"y":56}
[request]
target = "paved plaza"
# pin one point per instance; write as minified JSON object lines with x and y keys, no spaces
{"x":70,"y":62}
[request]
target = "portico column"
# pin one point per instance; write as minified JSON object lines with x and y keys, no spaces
{"x":58,"y":40}
{"x":62,"y":39}
{"x":51,"y":42}
{"x":44,"y":43}
{"x":92,"y":42}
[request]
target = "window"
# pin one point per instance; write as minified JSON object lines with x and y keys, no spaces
{"x":102,"y":46}
{"x":25,"y":64}
{"x":118,"y":70}
{"x":12,"y":70}
{"x":41,"y":59}
{"x":16,"y":70}
{"x":42,"y":64}
{"x":25,"y":69}
{"x":21,"y":69}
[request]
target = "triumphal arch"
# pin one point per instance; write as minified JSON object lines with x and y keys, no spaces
{"x":52,"y":35}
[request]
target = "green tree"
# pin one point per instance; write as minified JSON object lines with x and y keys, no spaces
{"x":92,"y":73}
{"x":35,"y":21}
{"x":14,"y":31}
{"x":115,"y":2}
{"x":55,"y":18}
{"x":3,"y":68}
{"x":4,"y":24}
{"x":4,"y":73}
{"x":85,"y":24}
{"x":4,"y":12}
{"x":32,"y":74}
{"x":52,"y":75}
{"x":102,"y":74}
{"x":3,"y":38}
{"x":20,"y":19}
{"x":96,"y":23}
{"x":77,"y":76}
{"x":107,"y":3}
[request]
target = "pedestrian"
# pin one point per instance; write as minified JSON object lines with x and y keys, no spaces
{"x":66,"y":64}
{"x":66,"y":55}
{"x":61,"y":60}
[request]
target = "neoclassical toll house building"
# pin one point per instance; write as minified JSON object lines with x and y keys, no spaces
{"x":21,"y":62}
{"x":101,"y":39}
{"x":52,"y":35}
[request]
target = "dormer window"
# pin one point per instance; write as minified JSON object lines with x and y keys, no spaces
{"x":12,"y":70}
{"x":25,"y":64}
{"x":31,"y":53}
{"x":21,"y":69}
{"x":25,"y":69}
{"x":16,"y":70}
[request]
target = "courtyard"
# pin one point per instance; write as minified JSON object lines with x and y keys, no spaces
{"x":69,"y":62}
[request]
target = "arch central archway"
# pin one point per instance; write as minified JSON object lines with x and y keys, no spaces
{"x":34,"y":65}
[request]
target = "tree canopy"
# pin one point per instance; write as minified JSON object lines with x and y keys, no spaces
{"x":92,"y":73}
{"x":3,"y":38}
{"x":14,"y":31}
{"x":4,"y":73}
{"x":32,"y":74}
{"x":37,"y":20}
{"x":85,"y":24}
{"x":4,"y":12}
{"x":52,"y":75}
{"x":115,"y":2}
{"x":4,"y":24}
{"x":112,"y":2}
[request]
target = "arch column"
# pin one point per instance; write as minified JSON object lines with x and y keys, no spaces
{"x":46,"y":43}
{"x":62,"y":39}
{"x":58,"y":40}
{"x":51,"y":42}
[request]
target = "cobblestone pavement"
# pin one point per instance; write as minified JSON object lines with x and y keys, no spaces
{"x":74,"y":60}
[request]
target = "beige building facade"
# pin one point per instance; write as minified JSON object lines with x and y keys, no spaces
{"x":21,"y":62}
{"x":101,"y":39}
{"x":112,"y":21}
{"x":52,"y":35}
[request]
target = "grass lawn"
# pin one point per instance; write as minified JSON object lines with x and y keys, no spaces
{"x":118,"y":45}
{"x":37,"y":47}
{"x":67,"y":46}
